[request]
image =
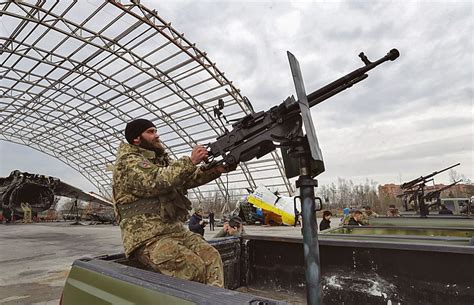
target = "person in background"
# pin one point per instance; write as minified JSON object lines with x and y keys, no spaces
{"x":368,"y":211}
{"x":233,"y":227}
{"x":196,"y":223}
{"x":367,"y":214}
{"x":445,"y":211}
{"x":259,"y":216}
{"x":222,"y":232}
{"x":326,"y":221}
{"x":211,"y":221}
{"x":356,"y":219}
{"x":392,"y":211}
{"x":236,"y":226}
{"x":298,"y":218}
{"x":346,"y":215}
{"x":467,"y":209}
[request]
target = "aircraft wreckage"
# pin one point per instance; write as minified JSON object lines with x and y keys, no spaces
{"x":38,"y":191}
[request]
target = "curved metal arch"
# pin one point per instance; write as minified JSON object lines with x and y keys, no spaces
{"x":179,"y":40}
{"x":47,"y":17}
{"x":178,"y":129}
{"x":166,"y":118}
{"x":59,"y":151}
{"x":165,"y":80}
{"x":115,"y":48}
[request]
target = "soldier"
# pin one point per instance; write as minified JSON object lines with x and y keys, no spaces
{"x":149,"y":197}
{"x":367,"y":213}
{"x":393,"y":211}
{"x":233,"y":227}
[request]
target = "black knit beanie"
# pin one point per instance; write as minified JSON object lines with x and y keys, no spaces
{"x":136,"y":128}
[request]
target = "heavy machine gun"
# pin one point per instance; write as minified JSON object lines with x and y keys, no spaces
{"x":435,"y":194}
{"x":423,"y":179}
{"x":260,"y":133}
{"x":412,"y":193}
{"x":414,"y":190}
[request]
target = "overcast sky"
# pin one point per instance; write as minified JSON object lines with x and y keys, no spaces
{"x":409,"y":118}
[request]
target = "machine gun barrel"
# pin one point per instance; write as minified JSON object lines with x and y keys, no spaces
{"x":254,"y":135}
{"x":411,"y":183}
{"x":416,"y":187}
{"x":348,"y":80}
{"x":345,"y":81}
{"x":434,"y":194}
{"x":449,"y":186}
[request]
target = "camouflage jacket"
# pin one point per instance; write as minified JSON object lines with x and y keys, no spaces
{"x":366,"y":218}
{"x":139,"y":174}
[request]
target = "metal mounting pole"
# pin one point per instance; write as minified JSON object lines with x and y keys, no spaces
{"x":421,"y":202}
{"x":310,"y":235}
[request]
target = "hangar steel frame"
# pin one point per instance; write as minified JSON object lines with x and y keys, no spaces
{"x":73,"y":73}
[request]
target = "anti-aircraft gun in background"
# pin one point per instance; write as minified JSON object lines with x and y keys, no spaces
{"x":414,"y":191}
{"x":435,"y":195}
{"x":260,"y":133}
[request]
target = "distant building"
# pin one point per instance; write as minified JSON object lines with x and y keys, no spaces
{"x":389,"y":190}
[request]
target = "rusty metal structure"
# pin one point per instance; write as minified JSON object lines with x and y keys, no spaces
{"x":73,"y":73}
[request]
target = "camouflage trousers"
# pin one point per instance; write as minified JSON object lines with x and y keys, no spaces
{"x":185,"y":255}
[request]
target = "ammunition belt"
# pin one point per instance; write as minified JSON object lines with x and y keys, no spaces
{"x":139,"y":207}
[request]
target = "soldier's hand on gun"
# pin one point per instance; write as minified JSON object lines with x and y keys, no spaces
{"x":199,"y":154}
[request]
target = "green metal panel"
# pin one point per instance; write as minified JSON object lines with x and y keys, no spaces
{"x":87,"y":287}
{"x":436,"y":221}
{"x":431,"y":232}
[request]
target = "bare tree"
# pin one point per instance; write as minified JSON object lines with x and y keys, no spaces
{"x":455,"y":176}
{"x":347,"y":194}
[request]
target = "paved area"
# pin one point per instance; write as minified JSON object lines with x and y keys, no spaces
{"x":35,"y":258}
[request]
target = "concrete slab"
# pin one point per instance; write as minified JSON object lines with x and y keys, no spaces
{"x":35,"y":258}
